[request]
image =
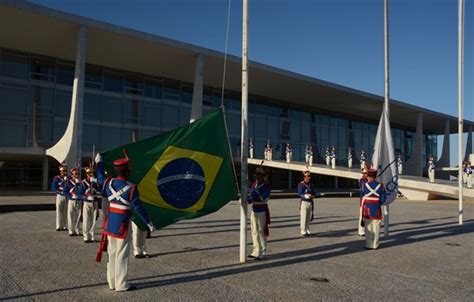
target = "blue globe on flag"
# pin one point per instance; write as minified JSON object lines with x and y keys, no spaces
{"x":181,"y":182}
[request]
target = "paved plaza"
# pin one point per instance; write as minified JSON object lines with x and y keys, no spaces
{"x":427,"y":256}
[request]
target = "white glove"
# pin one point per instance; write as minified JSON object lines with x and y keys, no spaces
{"x":98,"y":158}
{"x":307,"y":196}
{"x":93,"y":179}
{"x":151,"y":227}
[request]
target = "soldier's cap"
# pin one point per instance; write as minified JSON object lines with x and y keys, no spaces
{"x":75,"y":169}
{"x":90,"y":169}
{"x":306,"y":173}
{"x":372,"y":172}
{"x":62,"y":168}
{"x":121,"y":164}
{"x":261,"y":170}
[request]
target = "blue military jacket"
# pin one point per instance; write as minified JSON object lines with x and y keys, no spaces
{"x":123,"y":198}
{"x":304,"y":188}
{"x":58,"y":184}
{"x":259,"y":195}
{"x":89,"y":189}
{"x":373,"y":196}
{"x":71,"y":189}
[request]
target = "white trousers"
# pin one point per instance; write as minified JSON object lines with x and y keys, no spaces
{"x":288,"y":157}
{"x":333,"y":163}
{"x":270,"y":155}
{"x":305,"y":217}
{"x":362,"y":164}
{"x":349,"y":163}
{"x":400,"y":169}
{"x":469,"y":181}
{"x":431,"y":175}
{"x":89,"y":215}
{"x":259,"y":240}
{"x":117,"y":264}
{"x":361,"y":229}
{"x":251,"y":152}
{"x":310,"y":160}
{"x":372,"y":233}
{"x":61,"y":211}
{"x":328,"y":161}
{"x":73,"y":216}
{"x":139,"y":240}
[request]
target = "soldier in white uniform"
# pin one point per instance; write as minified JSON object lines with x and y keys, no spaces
{"x":400,"y":164}
{"x":349,"y":158}
{"x":258,"y":197}
{"x":89,"y":190}
{"x":306,"y":193}
{"x":328,"y":157}
{"x":431,"y":168}
{"x":251,"y":146}
{"x":363,"y":158}
{"x":309,"y":155}
{"x":469,"y":175}
{"x":289,"y":152}
{"x":58,"y":184}
{"x":74,"y":202}
{"x":268,"y":151}
{"x":333,"y":157}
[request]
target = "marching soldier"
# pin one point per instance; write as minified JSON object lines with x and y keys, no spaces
{"x":469,"y":175}
{"x":251,"y":146}
{"x":362,"y":182}
{"x":309,"y":155}
{"x":71,"y":190}
{"x":333,"y":157}
{"x":260,"y":215}
{"x":306,"y":193}
{"x":373,"y":197}
{"x":363,"y":158}
{"x":349,"y":158}
{"x":289,"y":152}
{"x":431,"y":168}
{"x":328,"y":157}
{"x":58,"y":184}
{"x":89,"y":190}
{"x":123,"y":197}
{"x":400,"y":164}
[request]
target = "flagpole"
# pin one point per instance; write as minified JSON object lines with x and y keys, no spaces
{"x":244,"y":139}
{"x":387,"y":98}
{"x":460,"y":97}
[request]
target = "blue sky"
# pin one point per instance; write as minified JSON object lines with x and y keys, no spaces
{"x":339,"y":41}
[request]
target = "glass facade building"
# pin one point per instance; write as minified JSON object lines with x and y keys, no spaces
{"x":121,"y":106}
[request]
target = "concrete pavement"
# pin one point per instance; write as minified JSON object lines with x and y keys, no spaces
{"x":428,"y":256}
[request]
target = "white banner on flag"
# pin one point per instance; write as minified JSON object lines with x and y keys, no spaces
{"x":384,"y":158}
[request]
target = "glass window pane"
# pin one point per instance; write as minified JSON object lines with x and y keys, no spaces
{"x":132,"y":111}
{"x":170,"y":116}
{"x":110,"y":137}
{"x":186,"y":94}
{"x":184,"y":115}
{"x":93,"y":78}
{"x":42,"y":99}
{"x":15,"y":65}
{"x":12,"y":134}
{"x":91,"y":137}
{"x":134,"y":83}
{"x":13,"y":102}
{"x":111,"y":109}
{"x":153,"y":88}
{"x":65,"y":74}
{"x":152,"y":115}
{"x":92,"y":106}
{"x":43,"y":68}
{"x":113,"y":81}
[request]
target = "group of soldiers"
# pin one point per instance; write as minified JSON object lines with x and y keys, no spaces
{"x":467,"y":174}
{"x":76,"y":198}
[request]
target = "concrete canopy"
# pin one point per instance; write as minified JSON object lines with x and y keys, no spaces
{"x":40,"y":30}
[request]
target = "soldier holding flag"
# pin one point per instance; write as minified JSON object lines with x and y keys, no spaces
{"x":123,"y":197}
{"x":373,"y":197}
{"x":260,"y":215}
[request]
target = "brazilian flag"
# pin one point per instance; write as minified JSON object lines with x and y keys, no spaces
{"x":182,"y":174}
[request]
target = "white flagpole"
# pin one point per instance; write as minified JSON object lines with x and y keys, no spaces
{"x":460,"y":97}
{"x":387,"y":98}
{"x":244,"y":139}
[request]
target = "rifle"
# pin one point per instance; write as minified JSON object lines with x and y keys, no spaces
{"x":102,"y":247}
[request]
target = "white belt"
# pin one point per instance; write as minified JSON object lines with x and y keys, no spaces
{"x":119,"y":206}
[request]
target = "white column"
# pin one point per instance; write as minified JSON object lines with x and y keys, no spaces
{"x":196,"y":108}
{"x":69,"y":147}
